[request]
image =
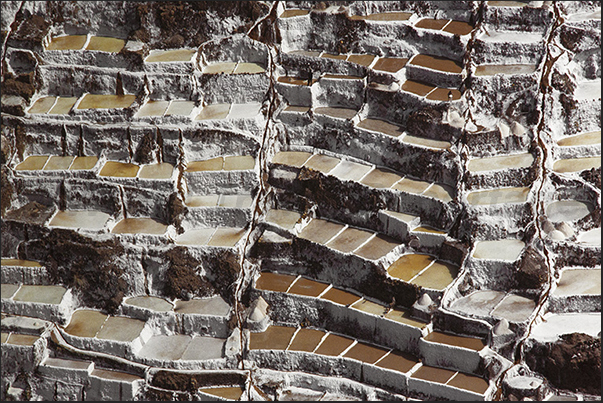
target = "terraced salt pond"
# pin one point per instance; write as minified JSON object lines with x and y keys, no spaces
{"x":106,"y":101}
{"x":221,"y":236}
{"x":503,"y":249}
{"x":555,"y":325}
{"x":498,"y":196}
{"x":54,"y":163}
{"x":576,"y":164}
{"x":504,"y":69}
{"x":175,"y":55}
{"x":368,"y":175}
{"x":423,"y":270}
{"x":87,"y":219}
{"x":568,"y":210}
{"x":77,"y":42}
{"x":229,"y":111}
{"x":583,"y":139}
{"x":500,"y":162}
{"x":591,"y":237}
{"x":579,"y":282}
{"x":139,"y":226}
{"x":498,"y":304}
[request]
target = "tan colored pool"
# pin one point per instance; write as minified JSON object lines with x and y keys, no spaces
{"x":105,"y":44}
{"x":274,"y":338}
{"x":291,"y":158}
{"x":67,"y":42}
{"x":380,"y":178}
{"x":119,"y":169}
{"x":274,"y":281}
{"x":106,"y":101}
{"x":408,"y":266}
{"x":306,"y":340}
{"x":139,"y":226}
{"x":377,"y":247}
{"x":390,"y":64}
{"x":178,"y":55}
{"x":436,"y":63}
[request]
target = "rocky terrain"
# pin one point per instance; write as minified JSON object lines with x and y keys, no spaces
{"x":301,"y":200}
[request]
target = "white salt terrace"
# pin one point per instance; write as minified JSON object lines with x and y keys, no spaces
{"x":166,"y":108}
{"x":368,"y":175}
{"x":174,"y":55}
{"x":505,"y":69}
{"x":575,"y":281}
{"x":500,"y":162}
{"x":591,"y":237}
{"x":225,"y":163}
{"x":595,"y":15}
{"x":41,"y":294}
{"x":513,"y":37}
{"x":229,"y":111}
{"x":503,"y":249}
{"x":393,"y":130}
{"x":576,"y":164}
{"x":182,"y":347}
{"x":55,"y":163}
{"x":243,"y":201}
{"x":588,"y":90}
{"x":568,"y":210}
{"x":298,"y":285}
{"x":148,"y":226}
{"x":80,"y":219}
{"x":319,"y":342}
{"x":94,"y":324}
{"x":85,"y":42}
{"x":555,"y":325}
{"x":582,"y":139}
{"x":119,"y":169}
{"x":226,"y":237}
{"x":215,"y":306}
{"x":487,"y":303}
{"x":341,"y":237}
{"x":498,"y":196}
{"x":386,"y":64}
{"x":233,"y":68}
{"x":63,"y":105}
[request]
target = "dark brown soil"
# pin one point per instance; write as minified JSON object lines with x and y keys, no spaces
{"x":16,"y":87}
{"x":426,"y":121}
{"x":32,"y":29}
{"x":6,"y":189}
{"x":573,"y":363}
{"x":172,"y":380}
{"x":593,"y":176}
{"x":87,"y":265}
{"x":176,"y":210}
{"x":326,"y":191}
{"x":223,"y":268}
{"x":533,"y":271}
{"x":145,"y":153}
{"x":454,"y":251}
{"x":31,"y":213}
{"x":182,"y":280}
{"x":189,"y":24}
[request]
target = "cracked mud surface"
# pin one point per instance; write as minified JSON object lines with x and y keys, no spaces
{"x":301,"y":200}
